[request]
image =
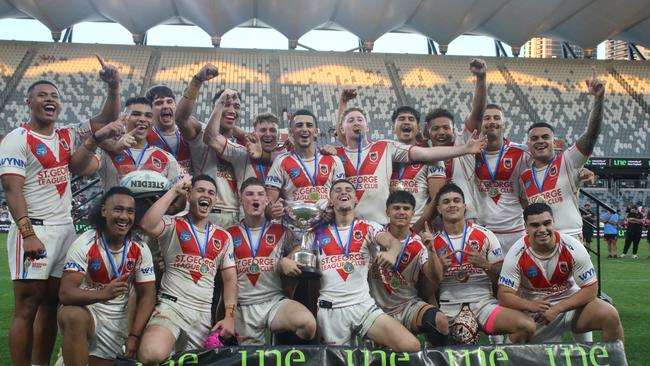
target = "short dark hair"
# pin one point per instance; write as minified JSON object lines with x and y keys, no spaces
{"x":406,"y":109}
{"x":494,"y":106}
{"x":537,"y":208}
{"x":251,"y":181}
{"x":96,"y":219}
{"x":339,"y":181}
{"x":41,"y":82}
{"x":159,"y":91}
{"x":304,"y":112}
{"x":449,"y":188}
{"x":439,"y":112}
{"x":400,"y":197}
{"x":137,"y":100}
{"x":541,"y":125}
{"x":266,"y":117}
{"x":216,"y":96}
{"x":204,"y":177}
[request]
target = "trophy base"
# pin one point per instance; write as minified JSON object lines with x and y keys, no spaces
{"x":309,"y":273}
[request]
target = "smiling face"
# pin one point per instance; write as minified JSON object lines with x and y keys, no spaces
{"x":254,"y":200}
{"x":119,"y":212}
{"x":202,"y":198}
{"x":354,"y":124}
{"x":400,"y":214}
{"x":304,"y":131}
{"x":267,"y":133}
{"x":441,"y":131}
{"x":164,"y":110}
{"x":540,"y":143}
{"x":451,"y":207}
{"x":44,"y":103}
{"x":493,"y":123}
{"x":139,"y":119}
{"x":539,"y":229}
{"x":405,"y":128}
{"x":343,"y":197}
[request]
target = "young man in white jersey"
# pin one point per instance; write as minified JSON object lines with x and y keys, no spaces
{"x":550,"y":275}
{"x":113,"y":166}
{"x":101,"y":267}
{"x":36,"y":160}
{"x":303,"y":174}
{"x":260,"y":247}
{"x":416,"y":270}
{"x":369,"y":165}
{"x":471,"y":258}
{"x":347,"y":247}
{"x":553,"y":178}
{"x":193,"y":249}
{"x":421,"y":180}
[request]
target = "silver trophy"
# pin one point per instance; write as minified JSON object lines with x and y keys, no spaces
{"x":304,"y":216}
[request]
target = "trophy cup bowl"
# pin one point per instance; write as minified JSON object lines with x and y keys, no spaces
{"x":304,"y":216}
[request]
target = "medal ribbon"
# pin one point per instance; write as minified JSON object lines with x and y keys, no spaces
{"x":400,"y":172}
{"x":202,"y":247}
{"x":260,"y":169}
{"x":345,"y":250}
{"x":164,"y":140}
{"x":459,"y":259}
{"x":493,"y":176}
{"x":401,"y":254}
{"x":140,"y":156}
{"x":358,"y":161}
{"x":255,"y":249}
{"x":540,"y":188}
{"x":312,"y":179}
{"x":111,"y":260}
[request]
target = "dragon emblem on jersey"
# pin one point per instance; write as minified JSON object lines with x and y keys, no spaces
{"x":130,"y":264}
{"x":185,"y":236}
{"x":553,"y":171}
{"x":374,"y":156}
{"x":95,"y":265}
{"x":406,"y":257}
{"x":217,"y":244}
{"x":531,"y":272}
{"x":564,"y":267}
{"x":156,"y":163}
{"x":236,"y":241}
{"x":119,"y":158}
{"x":294,"y":173}
{"x":474,"y":245}
{"x":416,"y":166}
{"x":357,"y":235}
{"x":41,"y":150}
{"x":323,"y":169}
{"x":270,"y":239}
{"x":507,"y":163}
{"x":64,"y":144}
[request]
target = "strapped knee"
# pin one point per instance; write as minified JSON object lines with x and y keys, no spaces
{"x":430,"y":329}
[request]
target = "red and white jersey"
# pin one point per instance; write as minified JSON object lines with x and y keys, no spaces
{"x":553,"y":278}
{"x":289,"y":177}
{"x":88,"y":257}
{"x":497,"y":201}
{"x":344,"y":280}
{"x":43,"y":162}
{"x":174,"y":144}
{"x":559,"y":190}
{"x":462,"y":282}
{"x":394,"y":290}
{"x":114,"y":166}
{"x":460,"y":171}
{"x":189,"y":276}
{"x":262,"y":281}
{"x":373,"y":178}
{"x":414,"y":178}
{"x":245,"y":166}
{"x":207,"y":161}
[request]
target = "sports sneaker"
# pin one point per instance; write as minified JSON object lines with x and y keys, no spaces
{"x":635,"y":256}
{"x":623,"y":255}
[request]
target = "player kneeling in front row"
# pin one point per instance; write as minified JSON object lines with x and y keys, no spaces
{"x":415,"y":271}
{"x":347,"y":246}
{"x":100,"y":269}
{"x":193,"y":249}
{"x":471,"y":258}
{"x":258,"y":247}
{"x":550,"y":275}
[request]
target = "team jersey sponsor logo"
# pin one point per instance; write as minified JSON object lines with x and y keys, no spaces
{"x":587,"y":274}
{"x":72,"y":266}
{"x":41,"y":150}
{"x":185,"y":236}
{"x":147,"y":270}
{"x":18,"y":163}
{"x":95,"y":265}
{"x":506,"y":282}
{"x":496,"y":252}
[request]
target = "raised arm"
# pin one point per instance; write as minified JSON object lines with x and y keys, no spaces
{"x":212,"y":136}
{"x":187,"y":124}
{"x":111,"y":108}
{"x":588,"y":139}
{"x":152,"y":221}
{"x":473,"y":122}
{"x":431,"y":154}
{"x":83,"y":160}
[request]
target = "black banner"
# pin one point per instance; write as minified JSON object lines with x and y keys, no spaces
{"x":555,"y":354}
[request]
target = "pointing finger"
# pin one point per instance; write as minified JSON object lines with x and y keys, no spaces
{"x":101,"y":61}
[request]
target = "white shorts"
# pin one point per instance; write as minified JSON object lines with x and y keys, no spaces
{"x":553,"y":331}
{"x":339,"y":326}
{"x":408,"y":313}
{"x":485,"y":311}
{"x":251,"y":321}
{"x":509,"y":239}
{"x":57,"y":240}
{"x":190,"y":327}
{"x":111,"y":330}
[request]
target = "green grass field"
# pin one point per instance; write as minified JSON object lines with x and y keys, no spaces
{"x":626,"y":280}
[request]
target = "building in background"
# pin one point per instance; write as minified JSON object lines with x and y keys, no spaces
{"x":544,"y":47}
{"x":618,"y":50}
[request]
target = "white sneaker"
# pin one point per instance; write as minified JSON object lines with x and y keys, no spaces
{"x":623,"y":255}
{"x":635,"y":256}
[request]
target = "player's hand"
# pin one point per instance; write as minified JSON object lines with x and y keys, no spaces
{"x":33,"y":248}
{"x":539,"y":305}
{"x":288,"y":144}
{"x":227,"y":97}
{"x":253,"y":146}
{"x":586,"y":176}
{"x":595,"y":86}
{"x":327,"y":150}
{"x":477,"y":67}
{"x":227,"y":326}
{"x":476,"y":259}
{"x":289,"y":267}
{"x":476,"y":143}
{"x":183,"y":185}
{"x":446,"y":259}
{"x":113,"y":130}
{"x":131,"y":346}
{"x":550,"y":314}
{"x":109,"y":73}
{"x":117,"y":287}
{"x":386,"y":260}
{"x":207,"y":72}
{"x":348,"y":94}
{"x":160,"y":263}
{"x":275,"y":210}
{"x":421,"y":139}
{"x":427,"y":237}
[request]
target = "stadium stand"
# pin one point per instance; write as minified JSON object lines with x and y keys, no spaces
{"x":11,"y":53}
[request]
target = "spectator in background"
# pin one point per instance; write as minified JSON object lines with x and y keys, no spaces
{"x":610,"y":219}
{"x":634,"y":226}
{"x":647,"y":225}
{"x":587,"y":230}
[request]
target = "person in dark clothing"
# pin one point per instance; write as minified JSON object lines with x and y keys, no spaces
{"x":633,"y":232}
{"x":587,"y":230}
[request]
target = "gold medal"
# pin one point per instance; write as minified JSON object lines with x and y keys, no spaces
{"x":348,"y":267}
{"x":314,"y":196}
{"x":254,"y":269}
{"x":399,"y":186}
{"x":203,"y":268}
{"x":540,"y":199}
{"x":462,"y":275}
{"x":493,"y":192}
{"x":395,"y":283}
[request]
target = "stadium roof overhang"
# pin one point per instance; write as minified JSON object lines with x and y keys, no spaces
{"x":582,"y":22}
